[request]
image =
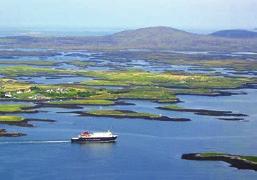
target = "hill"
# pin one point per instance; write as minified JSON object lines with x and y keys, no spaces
{"x":235,"y":33}
{"x":153,"y":38}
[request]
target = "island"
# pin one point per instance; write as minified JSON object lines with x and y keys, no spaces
{"x":4,"y":133}
{"x":128,"y":114}
{"x":237,"y":161}
{"x":16,"y":108}
{"x":20,"y":121}
{"x":223,"y":115}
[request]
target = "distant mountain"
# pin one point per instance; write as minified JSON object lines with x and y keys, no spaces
{"x":174,"y":39}
{"x":161,"y":34}
{"x":153,"y":38}
{"x":235,"y":33}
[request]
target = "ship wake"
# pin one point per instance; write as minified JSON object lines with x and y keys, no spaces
{"x":36,"y":142}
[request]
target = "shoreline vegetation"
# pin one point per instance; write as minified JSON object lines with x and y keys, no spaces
{"x":237,"y":161}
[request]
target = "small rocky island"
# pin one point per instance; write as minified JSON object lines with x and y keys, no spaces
{"x":4,"y":133}
{"x":237,"y":161}
{"x":129,"y":114}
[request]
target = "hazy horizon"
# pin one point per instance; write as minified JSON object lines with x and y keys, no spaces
{"x":205,"y":15}
{"x":82,"y":31}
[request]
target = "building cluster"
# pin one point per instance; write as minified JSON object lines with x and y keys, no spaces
{"x":38,"y":96}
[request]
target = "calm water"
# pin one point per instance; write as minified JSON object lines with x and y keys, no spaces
{"x":54,"y":80}
{"x":145,"y":149}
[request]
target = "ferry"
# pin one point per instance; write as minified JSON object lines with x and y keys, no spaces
{"x":87,"y":136}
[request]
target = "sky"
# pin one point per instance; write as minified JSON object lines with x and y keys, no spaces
{"x":183,"y":14}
